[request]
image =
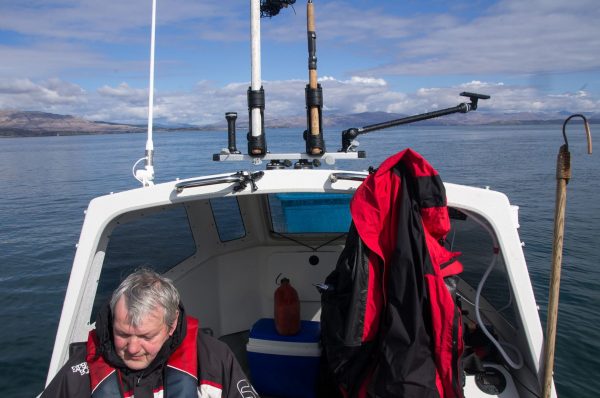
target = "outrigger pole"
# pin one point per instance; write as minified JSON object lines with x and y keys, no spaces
{"x":349,"y":135}
{"x":563,"y":174}
{"x":315,"y":144}
{"x":257,"y":145}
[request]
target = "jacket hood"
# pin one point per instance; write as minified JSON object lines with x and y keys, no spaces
{"x":373,"y":208}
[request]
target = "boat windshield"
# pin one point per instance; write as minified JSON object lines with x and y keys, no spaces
{"x":306,"y":213}
{"x":159,"y":240}
{"x":228,"y":218}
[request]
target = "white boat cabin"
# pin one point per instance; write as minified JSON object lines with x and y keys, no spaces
{"x":225,"y":243}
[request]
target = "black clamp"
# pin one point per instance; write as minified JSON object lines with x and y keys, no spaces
{"x":474,"y":97}
{"x":313,"y":141}
{"x":347,"y":137}
{"x":314,"y":96}
{"x":245,"y":178}
{"x":256,"y":98}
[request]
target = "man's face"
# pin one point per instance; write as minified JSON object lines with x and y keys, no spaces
{"x":138,"y":346}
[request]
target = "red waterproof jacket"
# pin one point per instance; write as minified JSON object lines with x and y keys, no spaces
{"x":390,"y":326}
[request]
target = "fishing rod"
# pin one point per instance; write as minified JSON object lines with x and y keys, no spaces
{"x":257,"y":145}
{"x":315,"y":145}
{"x":350,"y":134}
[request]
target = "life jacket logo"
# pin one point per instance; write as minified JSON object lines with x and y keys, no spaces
{"x":246,"y":389}
{"x":82,"y":368}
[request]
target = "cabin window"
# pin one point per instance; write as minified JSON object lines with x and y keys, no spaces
{"x":159,"y":240}
{"x":228,"y":218}
{"x":475,"y":243}
{"x":300,"y":213}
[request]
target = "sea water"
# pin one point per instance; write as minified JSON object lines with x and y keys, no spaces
{"x":46,"y":184}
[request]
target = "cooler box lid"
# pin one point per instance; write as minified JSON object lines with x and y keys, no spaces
{"x":264,"y":339}
{"x":264,"y":329}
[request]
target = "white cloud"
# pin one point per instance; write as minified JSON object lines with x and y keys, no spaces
{"x":74,"y":56}
{"x":512,"y":37}
{"x":206,"y":103}
{"x":107,"y":20}
{"x":104,"y":40}
{"x":51,"y":59}
{"x":52,"y":95}
{"x":508,"y":36}
{"x":124,"y":92}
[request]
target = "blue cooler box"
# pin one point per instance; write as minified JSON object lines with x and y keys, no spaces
{"x":284,"y":366}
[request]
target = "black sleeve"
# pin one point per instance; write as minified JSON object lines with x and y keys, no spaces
{"x":219,"y":367}
{"x":71,"y":381}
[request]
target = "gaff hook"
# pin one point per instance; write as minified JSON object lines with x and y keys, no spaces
{"x":587,"y":131}
{"x":563,"y":174}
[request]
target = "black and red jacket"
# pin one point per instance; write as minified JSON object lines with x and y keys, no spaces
{"x":390,"y":326}
{"x":190,"y":364}
{"x":179,"y":373}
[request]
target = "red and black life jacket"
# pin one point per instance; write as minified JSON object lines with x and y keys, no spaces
{"x":181,"y":370}
{"x":390,"y":326}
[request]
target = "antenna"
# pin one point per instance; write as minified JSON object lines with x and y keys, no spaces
{"x":146,"y":176}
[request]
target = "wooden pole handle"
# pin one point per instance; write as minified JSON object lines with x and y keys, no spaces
{"x":563,"y":173}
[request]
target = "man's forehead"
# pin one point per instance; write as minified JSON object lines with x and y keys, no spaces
{"x":149,"y":320}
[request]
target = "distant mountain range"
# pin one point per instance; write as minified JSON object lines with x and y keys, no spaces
{"x":34,"y":124}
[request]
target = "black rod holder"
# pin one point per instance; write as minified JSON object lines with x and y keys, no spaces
{"x":257,"y":145}
{"x":231,"y":117}
{"x":313,"y":135}
{"x":351,"y":133}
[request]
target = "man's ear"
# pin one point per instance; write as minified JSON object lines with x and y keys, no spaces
{"x":174,"y":325}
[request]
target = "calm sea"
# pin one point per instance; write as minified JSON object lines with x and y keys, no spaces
{"x":46,"y":184}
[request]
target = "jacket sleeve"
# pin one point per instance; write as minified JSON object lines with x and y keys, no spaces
{"x":219,"y":373}
{"x":71,"y":381}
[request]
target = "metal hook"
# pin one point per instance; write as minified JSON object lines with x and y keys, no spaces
{"x":587,"y":131}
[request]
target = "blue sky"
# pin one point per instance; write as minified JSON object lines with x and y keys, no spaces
{"x":90,"y":58}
